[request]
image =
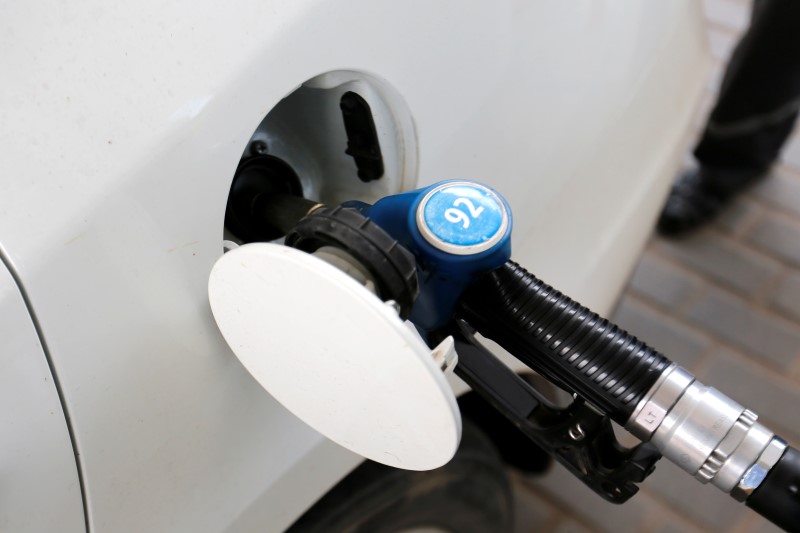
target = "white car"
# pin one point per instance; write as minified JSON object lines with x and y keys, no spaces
{"x":122,"y":126}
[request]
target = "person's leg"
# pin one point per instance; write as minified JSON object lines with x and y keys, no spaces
{"x":755,"y":112}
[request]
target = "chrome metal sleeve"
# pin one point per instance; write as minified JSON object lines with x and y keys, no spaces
{"x":739,"y":451}
{"x":726,"y":447}
{"x":754,"y":475}
{"x":653,"y":408}
{"x":695,"y":426}
{"x":705,"y":433}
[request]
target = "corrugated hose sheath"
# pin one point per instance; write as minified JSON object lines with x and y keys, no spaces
{"x":564,"y":341}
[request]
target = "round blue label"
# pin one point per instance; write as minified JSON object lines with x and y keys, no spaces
{"x":463,"y":215}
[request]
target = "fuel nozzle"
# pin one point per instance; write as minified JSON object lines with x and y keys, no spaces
{"x":450,"y":244}
{"x":281,"y":211}
{"x":459,"y":233}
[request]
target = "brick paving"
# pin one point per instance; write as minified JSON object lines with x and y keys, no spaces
{"x":724,"y":303}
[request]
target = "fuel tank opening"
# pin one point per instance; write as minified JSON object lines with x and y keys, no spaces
{"x":257,"y":179}
{"x":342,"y":135}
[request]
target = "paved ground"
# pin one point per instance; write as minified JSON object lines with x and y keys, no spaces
{"x":725,"y":304}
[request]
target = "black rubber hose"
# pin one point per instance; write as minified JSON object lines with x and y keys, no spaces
{"x":777,"y":498}
{"x":562,"y":340}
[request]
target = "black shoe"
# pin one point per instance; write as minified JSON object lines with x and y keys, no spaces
{"x":691,"y":203}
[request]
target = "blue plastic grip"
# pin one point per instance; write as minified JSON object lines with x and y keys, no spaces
{"x":457,"y":230}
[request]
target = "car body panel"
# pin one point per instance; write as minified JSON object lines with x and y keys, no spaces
{"x":38,"y":474}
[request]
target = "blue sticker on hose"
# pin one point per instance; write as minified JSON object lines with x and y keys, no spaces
{"x":464,"y":215}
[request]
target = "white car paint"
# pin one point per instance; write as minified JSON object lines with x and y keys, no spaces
{"x":38,"y":478}
{"x":122,"y":123}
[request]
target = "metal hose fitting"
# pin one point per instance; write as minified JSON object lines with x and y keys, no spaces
{"x":704,"y":432}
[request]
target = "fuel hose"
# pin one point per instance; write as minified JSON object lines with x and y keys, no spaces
{"x":704,"y":432}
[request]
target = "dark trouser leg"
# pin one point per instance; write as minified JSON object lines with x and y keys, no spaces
{"x":758,"y":101}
